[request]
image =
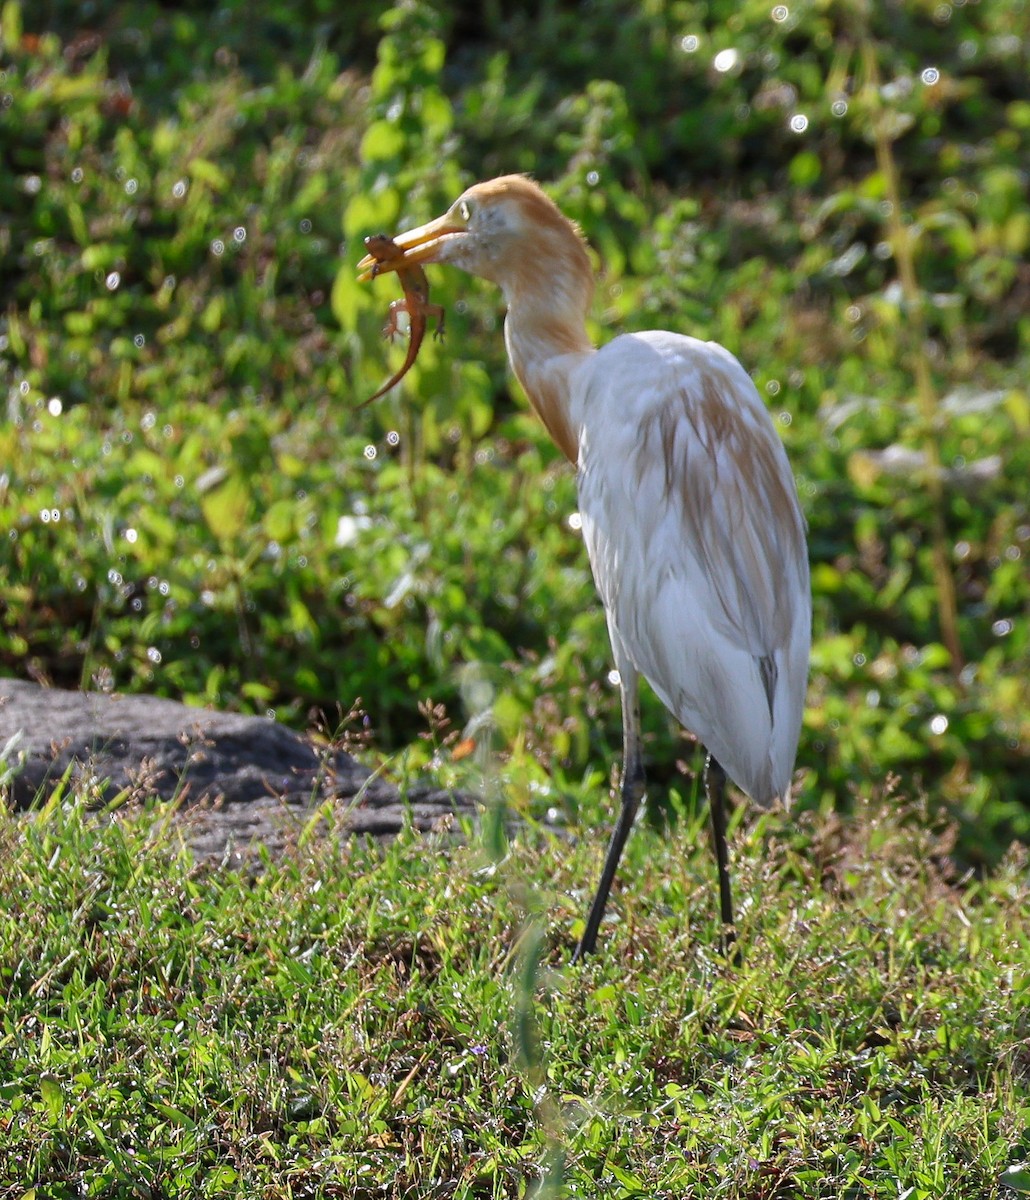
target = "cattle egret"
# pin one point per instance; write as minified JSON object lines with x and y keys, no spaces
{"x":689,"y":509}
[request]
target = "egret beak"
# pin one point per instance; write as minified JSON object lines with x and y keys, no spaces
{"x":417,"y":245}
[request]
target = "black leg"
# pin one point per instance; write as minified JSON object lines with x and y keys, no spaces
{"x":715,"y":786}
{"x":630,"y":794}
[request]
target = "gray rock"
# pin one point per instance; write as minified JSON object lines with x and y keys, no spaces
{"x":243,"y":781}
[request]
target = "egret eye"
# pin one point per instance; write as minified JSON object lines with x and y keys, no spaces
{"x":464,"y":211}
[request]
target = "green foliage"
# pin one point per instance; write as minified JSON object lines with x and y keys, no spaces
{"x":341,"y":1024}
{"x":190,"y":505}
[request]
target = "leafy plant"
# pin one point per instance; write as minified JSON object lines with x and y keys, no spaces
{"x":188,"y":503}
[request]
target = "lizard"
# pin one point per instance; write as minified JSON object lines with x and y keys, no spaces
{"x":415,"y":304}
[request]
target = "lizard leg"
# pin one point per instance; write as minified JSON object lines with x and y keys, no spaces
{"x":391,"y":328}
{"x":437,"y":311}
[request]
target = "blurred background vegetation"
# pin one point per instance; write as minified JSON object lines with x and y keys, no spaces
{"x":190,"y":505}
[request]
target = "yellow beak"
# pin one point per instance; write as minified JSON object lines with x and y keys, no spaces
{"x":417,"y":245}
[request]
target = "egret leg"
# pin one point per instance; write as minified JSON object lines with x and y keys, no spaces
{"x":715,"y":786}
{"x":631,"y":792}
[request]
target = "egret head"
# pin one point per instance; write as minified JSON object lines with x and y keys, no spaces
{"x":509,"y":231}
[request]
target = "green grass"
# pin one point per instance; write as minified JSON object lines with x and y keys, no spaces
{"x":366,"y":1021}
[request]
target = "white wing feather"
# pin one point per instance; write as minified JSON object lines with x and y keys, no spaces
{"x":697,"y":545}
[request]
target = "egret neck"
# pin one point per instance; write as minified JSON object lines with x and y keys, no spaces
{"x":546,"y":338}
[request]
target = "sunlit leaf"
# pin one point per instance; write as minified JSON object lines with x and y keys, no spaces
{"x":348,"y":296}
{"x":382,"y":142}
{"x":227,"y":507}
{"x":805,"y":168}
{"x":1017,"y":404}
{"x":205,"y":171}
{"x":53,"y":1098}
{"x":1016,"y":1178}
{"x":366,"y":214}
{"x":10,"y":25}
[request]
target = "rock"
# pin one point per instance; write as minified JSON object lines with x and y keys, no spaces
{"x":243,"y":781}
